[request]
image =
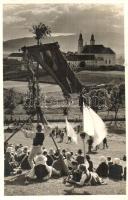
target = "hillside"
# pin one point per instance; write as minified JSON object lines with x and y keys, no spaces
{"x":65,"y":42}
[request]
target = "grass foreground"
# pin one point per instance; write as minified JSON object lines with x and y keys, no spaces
{"x":117,"y":148}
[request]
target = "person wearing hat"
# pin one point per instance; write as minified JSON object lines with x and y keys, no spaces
{"x":37,"y":144}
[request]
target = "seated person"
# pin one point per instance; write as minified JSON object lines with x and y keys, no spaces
{"x":24,"y":162}
{"x":50,"y":157}
{"x":102,"y":169}
{"x":41,"y":171}
{"x":87,"y":178}
{"x":19,"y":154}
{"x":64,"y":153}
{"x":109,"y":160}
{"x":80,"y":158}
{"x":116,"y":170}
{"x":7,"y":167}
{"x":74,"y":174}
{"x":68,"y":160}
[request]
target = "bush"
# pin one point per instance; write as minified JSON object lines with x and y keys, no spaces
{"x":99,"y":68}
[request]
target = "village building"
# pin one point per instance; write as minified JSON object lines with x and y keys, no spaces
{"x":15,"y":56}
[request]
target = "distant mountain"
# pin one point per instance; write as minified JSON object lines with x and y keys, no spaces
{"x":67,"y":43}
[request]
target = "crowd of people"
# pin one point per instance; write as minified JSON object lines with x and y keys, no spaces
{"x":42,"y":164}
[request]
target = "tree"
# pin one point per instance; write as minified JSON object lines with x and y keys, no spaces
{"x":10,"y":101}
{"x":40,"y":31}
{"x":115,"y":100}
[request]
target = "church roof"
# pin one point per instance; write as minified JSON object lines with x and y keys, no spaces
{"x":97,"y":49}
{"x":79,"y":57}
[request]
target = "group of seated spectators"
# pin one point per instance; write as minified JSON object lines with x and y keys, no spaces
{"x":76,"y":168}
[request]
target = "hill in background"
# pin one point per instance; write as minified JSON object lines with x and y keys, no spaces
{"x":65,"y":43}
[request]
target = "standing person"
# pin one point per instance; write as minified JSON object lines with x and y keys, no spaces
{"x":69,"y":140}
{"x":61,"y":136}
{"x":37,"y":145}
{"x":90,"y":142}
{"x":105,"y":143}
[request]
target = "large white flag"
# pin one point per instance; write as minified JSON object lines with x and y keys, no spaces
{"x":100,"y":131}
{"x":70,"y":131}
{"x":88,"y":126}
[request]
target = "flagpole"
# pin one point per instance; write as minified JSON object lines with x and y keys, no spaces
{"x":82,"y":135}
{"x":84,"y":149}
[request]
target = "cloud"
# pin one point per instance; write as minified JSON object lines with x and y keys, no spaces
{"x":104,"y":20}
{"x":13,"y":19}
{"x":61,"y":34}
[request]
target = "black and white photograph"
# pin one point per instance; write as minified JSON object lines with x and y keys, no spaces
{"x":64,"y":105}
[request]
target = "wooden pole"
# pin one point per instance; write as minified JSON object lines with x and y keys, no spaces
{"x":84,"y":149}
{"x":15,"y":132}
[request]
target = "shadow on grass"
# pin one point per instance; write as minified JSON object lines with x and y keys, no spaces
{"x":20,"y":180}
{"x":77,"y":193}
{"x":92,"y":152}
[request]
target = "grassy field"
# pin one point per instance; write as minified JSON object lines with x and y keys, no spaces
{"x":86,"y":77}
{"x":116,"y":142}
{"x":100,"y":77}
{"x":117,"y":148}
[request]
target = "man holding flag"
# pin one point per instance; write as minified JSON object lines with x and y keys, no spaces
{"x":93,"y":125}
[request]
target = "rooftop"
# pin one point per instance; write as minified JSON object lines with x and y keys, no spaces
{"x":79,"y":57}
{"x":97,"y":49}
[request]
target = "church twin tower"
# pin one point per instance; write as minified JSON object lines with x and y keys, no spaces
{"x":80,"y":42}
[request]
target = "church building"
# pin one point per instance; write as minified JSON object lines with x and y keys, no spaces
{"x":92,"y":54}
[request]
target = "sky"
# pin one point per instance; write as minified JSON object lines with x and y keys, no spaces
{"x":104,"y":20}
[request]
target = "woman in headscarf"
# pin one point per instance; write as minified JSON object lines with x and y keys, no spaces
{"x":102,"y":169}
{"x":41,"y":171}
{"x":116,"y":170}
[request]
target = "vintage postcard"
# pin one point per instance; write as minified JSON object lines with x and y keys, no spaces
{"x":64,"y":105}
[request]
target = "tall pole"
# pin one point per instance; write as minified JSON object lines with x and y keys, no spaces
{"x":82,"y":135}
{"x":84,"y":149}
